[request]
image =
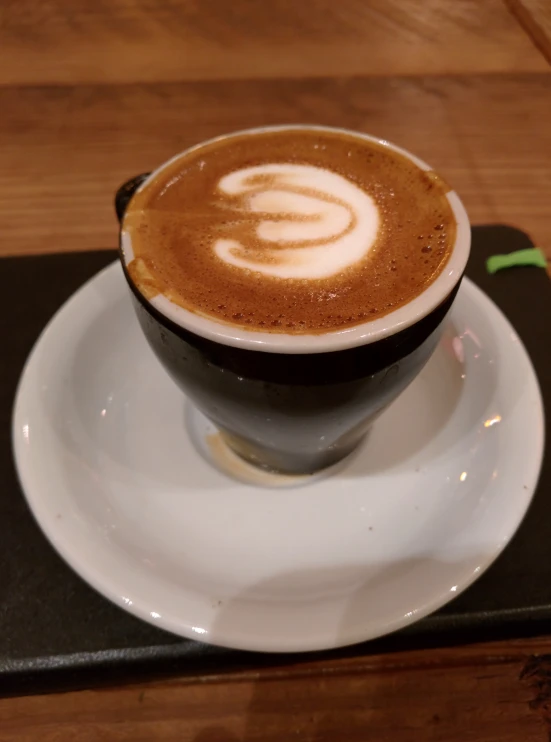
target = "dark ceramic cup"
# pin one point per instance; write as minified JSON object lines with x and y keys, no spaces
{"x":296,"y":404}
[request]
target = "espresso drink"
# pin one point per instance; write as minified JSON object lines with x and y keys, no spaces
{"x":294,"y":231}
{"x":293,"y":281}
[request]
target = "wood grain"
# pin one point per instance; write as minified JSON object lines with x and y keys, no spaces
{"x":535,"y":17}
{"x":64,"y":150}
{"x":484,"y":693}
{"x":125,"y":41}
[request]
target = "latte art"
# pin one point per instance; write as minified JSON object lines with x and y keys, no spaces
{"x":289,"y":230}
{"x":308,"y":222}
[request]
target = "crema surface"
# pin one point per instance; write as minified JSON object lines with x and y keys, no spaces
{"x":290,"y":231}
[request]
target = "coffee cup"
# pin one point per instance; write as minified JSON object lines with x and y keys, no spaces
{"x":287,"y":401}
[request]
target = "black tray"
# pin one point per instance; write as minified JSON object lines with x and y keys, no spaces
{"x":57,"y":633}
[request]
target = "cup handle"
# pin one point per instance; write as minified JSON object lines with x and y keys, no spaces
{"x":125,"y":193}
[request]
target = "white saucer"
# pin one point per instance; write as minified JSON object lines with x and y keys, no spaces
{"x":115,"y":466}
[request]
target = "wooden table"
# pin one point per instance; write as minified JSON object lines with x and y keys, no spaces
{"x":93,"y":92}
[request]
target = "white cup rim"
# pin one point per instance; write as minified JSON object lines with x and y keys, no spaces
{"x":362,"y":334}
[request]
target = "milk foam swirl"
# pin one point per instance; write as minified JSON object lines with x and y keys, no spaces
{"x":299,"y":221}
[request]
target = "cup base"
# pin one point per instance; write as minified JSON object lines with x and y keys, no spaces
{"x":287,"y":463}
{"x":214,"y":447}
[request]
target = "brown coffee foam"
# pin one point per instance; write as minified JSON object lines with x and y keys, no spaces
{"x":174,"y":221}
